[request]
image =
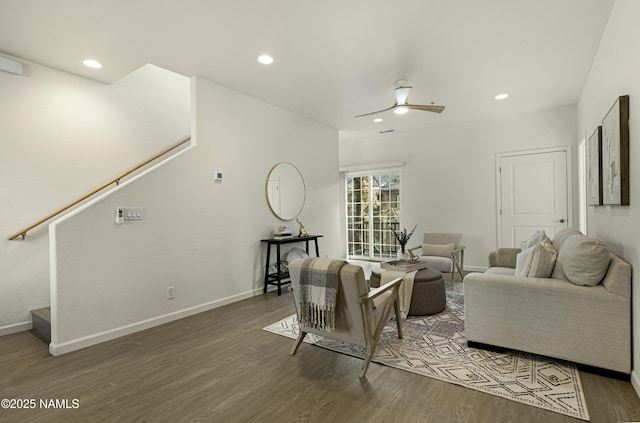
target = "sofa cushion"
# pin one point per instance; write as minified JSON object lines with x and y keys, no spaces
{"x":440,"y":250}
{"x":506,"y":271}
{"x":537,"y":261}
{"x":537,"y":237}
{"x":562,"y":235}
{"x":582,"y":260}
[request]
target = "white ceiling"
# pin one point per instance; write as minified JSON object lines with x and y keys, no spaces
{"x":334,"y":59}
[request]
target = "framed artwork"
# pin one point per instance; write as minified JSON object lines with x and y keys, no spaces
{"x":615,"y":154}
{"x":594,"y":167}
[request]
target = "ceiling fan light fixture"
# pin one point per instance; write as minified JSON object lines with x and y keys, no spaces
{"x":501,"y":96}
{"x":401,"y":106}
{"x":265,"y":59}
{"x":401,"y":110}
{"x":378,"y":120}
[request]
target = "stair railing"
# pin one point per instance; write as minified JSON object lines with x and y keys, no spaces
{"x":23,"y":232}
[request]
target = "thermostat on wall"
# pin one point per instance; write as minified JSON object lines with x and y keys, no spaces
{"x":217,"y":176}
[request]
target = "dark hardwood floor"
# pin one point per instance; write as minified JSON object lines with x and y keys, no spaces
{"x":220,"y":366}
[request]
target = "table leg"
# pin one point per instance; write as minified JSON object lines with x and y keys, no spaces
{"x":266,"y":268}
{"x":278,"y":269}
{"x":317,"y":252}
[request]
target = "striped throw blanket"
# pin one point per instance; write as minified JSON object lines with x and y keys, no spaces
{"x":319,"y":293}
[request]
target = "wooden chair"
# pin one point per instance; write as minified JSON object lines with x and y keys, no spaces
{"x":443,"y":251}
{"x":361,"y":314}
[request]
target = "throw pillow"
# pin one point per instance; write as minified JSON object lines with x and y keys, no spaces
{"x":537,"y":237}
{"x":537,"y":261}
{"x":440,"y":250}
{"x":583,"y":260}
{"x":520,"y":258}
{"x":562,"y":235}
{"x":296,"y":253}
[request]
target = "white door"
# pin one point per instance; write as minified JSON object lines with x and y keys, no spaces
{"x":273,"y":192}
{"x":533,"y":193}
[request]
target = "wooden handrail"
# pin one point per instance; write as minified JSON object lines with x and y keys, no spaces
{"x":115,"y":180}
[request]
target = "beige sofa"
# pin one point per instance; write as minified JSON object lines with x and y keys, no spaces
{"x":556,"y":316}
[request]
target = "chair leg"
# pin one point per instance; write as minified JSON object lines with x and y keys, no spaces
{"x":301,"y":336}
{"x":367,"y":360}
{"x":460,"y":272}
{"x":456,"y":266}
{"x":396,"y":307}
{"x":460,"y":266}
{"x":372,"y":338}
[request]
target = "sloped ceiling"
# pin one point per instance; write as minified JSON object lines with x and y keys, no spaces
{"x":334,"y":59}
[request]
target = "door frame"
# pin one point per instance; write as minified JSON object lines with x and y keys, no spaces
{"x":567,"y":149}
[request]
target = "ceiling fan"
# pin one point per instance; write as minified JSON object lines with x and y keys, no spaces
{"x":401,"y":106}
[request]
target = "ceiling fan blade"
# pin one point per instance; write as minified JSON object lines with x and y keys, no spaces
{"x":402,"y":93}
{"x":379,"y":111}
{"x":426,"y":108}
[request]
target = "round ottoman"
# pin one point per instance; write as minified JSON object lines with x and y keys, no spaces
{"x":428,"y":295}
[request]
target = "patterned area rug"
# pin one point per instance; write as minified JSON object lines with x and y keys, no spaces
{"x":435,"y":346}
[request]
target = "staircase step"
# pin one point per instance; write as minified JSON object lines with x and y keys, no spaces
{"x":41,"y":321}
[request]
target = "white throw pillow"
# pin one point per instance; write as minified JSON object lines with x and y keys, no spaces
{"x":582,"y":260}
{"x":537,"y":237}
{"x":520,"y":257}
{"x":440,"y":250}
{"x":537,"y":261}
{"x":296,"y":253}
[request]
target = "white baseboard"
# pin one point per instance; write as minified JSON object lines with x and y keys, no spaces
{"x":274,"y":289}
{"x":14,"y":328}
{"x":635,"y":381}
{"x":87,"y":341}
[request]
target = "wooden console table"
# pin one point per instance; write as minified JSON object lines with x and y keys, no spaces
{"x":278,"y":278}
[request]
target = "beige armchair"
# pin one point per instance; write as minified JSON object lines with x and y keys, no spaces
{"x":361,"y":314}
{"x":442,"y":251}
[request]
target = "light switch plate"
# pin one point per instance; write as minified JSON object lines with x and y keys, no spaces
{"x":133,"y":213}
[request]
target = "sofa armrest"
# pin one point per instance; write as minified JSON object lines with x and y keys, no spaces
{"x":503,"y":257}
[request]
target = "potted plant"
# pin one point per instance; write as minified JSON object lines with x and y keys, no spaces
{"x":403,"y":237}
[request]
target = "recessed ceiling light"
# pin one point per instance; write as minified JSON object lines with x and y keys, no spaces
{"x":501,"y":96}
{"x":92,"y":63}
{"x":265,"y":59}
{"x":377,"y":120}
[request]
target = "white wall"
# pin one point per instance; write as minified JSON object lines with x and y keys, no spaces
{"x":199,"y":236}
{"x":614,"y":73}
{"x":62,"y":136}
{"x":448,"y":180}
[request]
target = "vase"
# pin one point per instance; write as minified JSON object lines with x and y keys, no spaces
{"x":402,"y":254}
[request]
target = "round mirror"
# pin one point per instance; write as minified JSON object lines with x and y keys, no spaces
{"x":285,"y":191}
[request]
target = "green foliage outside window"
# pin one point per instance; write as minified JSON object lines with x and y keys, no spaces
{"x":373,"y":206}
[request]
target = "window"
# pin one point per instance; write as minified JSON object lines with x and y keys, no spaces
{"x":373,"y":209}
